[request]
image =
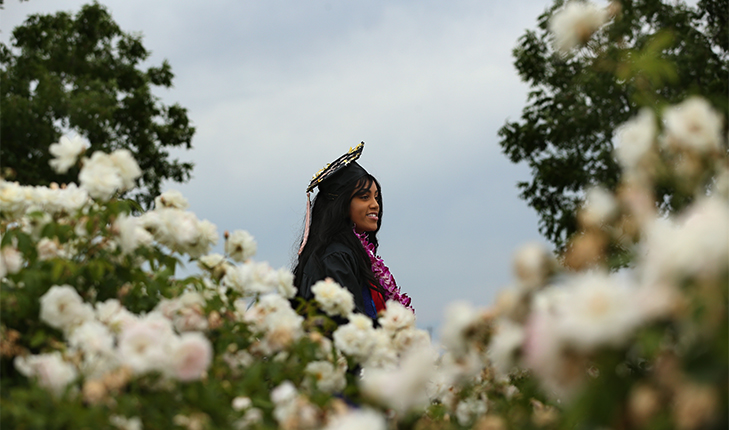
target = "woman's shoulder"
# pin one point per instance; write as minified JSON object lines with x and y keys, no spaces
{"x":337,"y":248}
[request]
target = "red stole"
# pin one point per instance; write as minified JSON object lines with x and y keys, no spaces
{"x":377,"y":299}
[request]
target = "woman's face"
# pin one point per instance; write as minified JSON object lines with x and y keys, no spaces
{"x":364,"y":210}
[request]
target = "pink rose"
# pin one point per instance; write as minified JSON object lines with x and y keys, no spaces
{"x":191,"y":356}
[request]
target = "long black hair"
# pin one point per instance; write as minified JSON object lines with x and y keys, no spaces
{"x":330,"y":222}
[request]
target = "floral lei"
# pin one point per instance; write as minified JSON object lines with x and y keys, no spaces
{"x":382,"y":273}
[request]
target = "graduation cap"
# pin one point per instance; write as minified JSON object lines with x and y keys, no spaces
{"x":332,"y":180}
{"x":335,"y":176}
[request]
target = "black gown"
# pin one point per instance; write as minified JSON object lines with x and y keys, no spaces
{"x":338,"y":263}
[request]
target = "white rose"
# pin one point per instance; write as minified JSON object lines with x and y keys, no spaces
{"x":11,"y":259}
{"x":573,"y":25}
{"x":533,"y":264}
{"x":127,"y":167}
{"x":61,"y":307}
{"x":459,"y":316}
{"x":66,"y":152}
{"x":403,"y":388}
{"x":92,"y":337}
{"x":208,"y":236}
{"x":595,"y":310}
{"x":100,"y":176}
{"x":123,"y":423}
{"x":504,"y":345}
{"x":240,"y":246}
{"x":286,"y":283}
{"x":358,"y":419}
{"x":191,"y":356}
{"x":210,"y":261}
{"x":396,"y":317}
{"x":600,"y":207}
{"x":147,"y":344}
{"x":50,"y":370}
{"x":333,"y":299}
{"x":356,"y":338}
{"x":171,"y":199}
{"x":72,"y":198}
{"x":114,"y":315}
{"x":47,"y":249}
{"x":131,"y":234}
{"x":284,"y":393}
{"x":328,"y":378}
{"x":695,"y":125}
{"x":258,"y":278}
{"x":636,"y":138}
{"x":12,"y":198}
{"x":410,"y":338}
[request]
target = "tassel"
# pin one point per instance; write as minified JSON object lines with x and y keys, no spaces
{"x":307,"y":220}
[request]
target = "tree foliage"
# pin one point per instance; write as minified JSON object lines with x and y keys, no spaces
{"x":83,"y":73}
{"x":651,"y":54}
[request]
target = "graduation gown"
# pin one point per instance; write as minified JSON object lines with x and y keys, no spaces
{"x":338,"y":263}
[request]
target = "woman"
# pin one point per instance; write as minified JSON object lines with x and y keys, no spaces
{"x":340,"y":237}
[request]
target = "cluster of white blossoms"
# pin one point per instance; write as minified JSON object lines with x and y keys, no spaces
{"x":18,"y":201}
{"x":275,"y":324}
{"x":333,"y":298}
{"x":692,"y":245}
{"x":328,"y":377}
{"x":636,"y":138}
{"x":384,"y":346}
{"x":358,"y":419}
{"x":469,"y":409}
{"x":553,"y":324}
{"x":404,"y":387}
{"x":573,"y":25}
{"x":110,"y":337}
{"x":131,"y":234}
{"x":103,"y":174}
{"x":691,"y":132}
{"x":600,"y":207}
{"x":50,"y":371}
{"x":460,"y":317}
{"x":463,"y":334}
{"x":693,"y":125}
{"x":356,"y":338}
{"x":293,"y":410}
{"x":187,"y":312}
{"x":252,"y":279}
{"x":180,"y":231}
{"x":11,"y":260}
{"x":171,"y":199}
{"x":150,"y":344}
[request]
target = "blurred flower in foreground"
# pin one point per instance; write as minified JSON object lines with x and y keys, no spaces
{"x":61,"y":307}
{"x":358,"y":419}
{"x":50,"y":370}
{"x":694,"y":125}
{"x":636,"y":138}
{"x":573,"y":25}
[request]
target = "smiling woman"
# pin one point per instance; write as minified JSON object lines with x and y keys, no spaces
{"x":340,"y":237}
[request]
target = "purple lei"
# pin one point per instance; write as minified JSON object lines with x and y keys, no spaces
{"x":382,"y":273}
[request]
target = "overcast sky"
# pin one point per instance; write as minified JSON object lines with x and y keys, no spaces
{"x":277,"y":89}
